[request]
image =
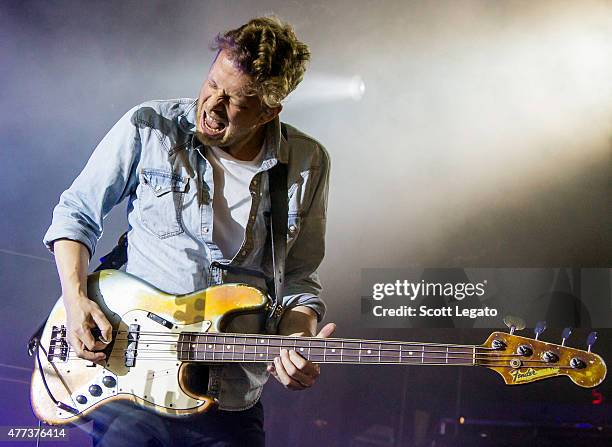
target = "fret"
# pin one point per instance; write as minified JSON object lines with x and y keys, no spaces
{"x":390,"y":353}
{"x":324,"y":350}
{"x":432,"y":354}
{"x":229,"y":343}
{"x":179,"y":347}
{"x":250,"y":349}
{"x":261,"y":350}
{"x":208,"y":353}
{"x":191,"y":355}
{"x":460,"y":355}
{"x":238,"y":351}
{"x":333,"y":350}
{"x":370,"y":353}
{"x":218,"y":347}
{"x":288,"y":343}
{"x":317,"y":350}
{"x":215,"y":343}
{"x":351,"y":352}
{"x":211,"y":347}
{"x":360,"y":348}
{"x":274,"y":347}
{"x":341,"y":350}
{"x":196,"y":347}
{"x":447,"y":354}
{"x":408,"y":354}
{"x":310,"y":348}
{"x":301,"y":347}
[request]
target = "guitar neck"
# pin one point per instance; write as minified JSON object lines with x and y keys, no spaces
{"x":204,"y":347}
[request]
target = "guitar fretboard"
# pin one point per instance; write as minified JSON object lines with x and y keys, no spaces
{"x":196,"y":347}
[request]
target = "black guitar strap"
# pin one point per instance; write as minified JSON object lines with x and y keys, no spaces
{"x":277,"y":177}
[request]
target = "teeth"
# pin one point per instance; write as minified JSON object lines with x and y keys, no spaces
{"x":213,"y":122}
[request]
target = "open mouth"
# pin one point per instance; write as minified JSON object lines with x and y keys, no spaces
{"x":212,"y":126}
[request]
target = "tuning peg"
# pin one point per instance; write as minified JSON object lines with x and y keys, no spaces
{"x":565,"y":335}
{"x":591,"y":339}
{"x":539,"y":328}
{"x":514,"y":323}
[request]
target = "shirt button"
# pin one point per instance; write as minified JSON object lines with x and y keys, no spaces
{"x":243,"y":252}
{"x":292,"y":228}
{"x":206,"y":230}
{"x":157,"y":188}
{"x":254,"y":182}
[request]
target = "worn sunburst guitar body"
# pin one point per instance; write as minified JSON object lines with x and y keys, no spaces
{"x":159,"y":337}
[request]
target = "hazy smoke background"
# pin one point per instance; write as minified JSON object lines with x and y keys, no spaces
{"x":483,"y":139}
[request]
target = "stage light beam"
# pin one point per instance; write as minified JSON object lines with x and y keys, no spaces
{"x":320,"y":88}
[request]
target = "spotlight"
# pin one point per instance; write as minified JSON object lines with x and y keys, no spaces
{"x":319,"y":88}
{"x":357,"y":88}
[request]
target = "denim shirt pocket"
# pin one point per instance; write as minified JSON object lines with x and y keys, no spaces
{"x":160,"y":201}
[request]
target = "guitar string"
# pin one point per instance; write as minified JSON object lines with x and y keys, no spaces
{"x":325,"y":360}
{"x":450,"y":357}
{"x":487,"y":365}
{"x":234,"y":342}
{"x":281,"y":337}
{"x":394,"y":359}
{"x":469,"y":351}
{"x":380,"y":352}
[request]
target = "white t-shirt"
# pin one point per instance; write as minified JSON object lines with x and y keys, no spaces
{"x":232,"y":199}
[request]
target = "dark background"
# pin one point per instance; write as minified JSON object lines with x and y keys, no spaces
{"x":483,"y":139}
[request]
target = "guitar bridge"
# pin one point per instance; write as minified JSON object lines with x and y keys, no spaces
{"x":58,"y":346}
{"x":132,"y":345}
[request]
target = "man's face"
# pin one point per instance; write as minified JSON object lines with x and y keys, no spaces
{"x":229,"y":112}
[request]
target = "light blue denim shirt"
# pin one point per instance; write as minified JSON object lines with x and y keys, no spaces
{"x":152,"y":159}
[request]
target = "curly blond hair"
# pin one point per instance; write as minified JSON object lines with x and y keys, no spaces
{"x":268,"y":50}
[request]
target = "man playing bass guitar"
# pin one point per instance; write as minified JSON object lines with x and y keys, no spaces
{"x":194,"y":173}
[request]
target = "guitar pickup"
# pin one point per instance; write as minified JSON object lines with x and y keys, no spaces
{"x":160,"y":320}
{"x":132,"y":345}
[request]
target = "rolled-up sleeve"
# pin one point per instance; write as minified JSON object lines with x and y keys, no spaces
{"x":108,"y":177}
{"x":302,"y":284}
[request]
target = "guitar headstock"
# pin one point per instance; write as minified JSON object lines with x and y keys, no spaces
{"x":521,"y":360}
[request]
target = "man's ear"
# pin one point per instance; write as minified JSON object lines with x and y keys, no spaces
{"x":269,"y":113}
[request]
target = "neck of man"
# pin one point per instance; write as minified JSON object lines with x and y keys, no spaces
{"x":248,"y":149}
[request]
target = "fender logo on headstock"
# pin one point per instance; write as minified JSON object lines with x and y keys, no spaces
{"x":532,"y":374}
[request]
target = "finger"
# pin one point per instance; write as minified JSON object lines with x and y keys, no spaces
{"x":79,"y":349}
{"x":106,"y":330}
{"x":293,"y":371}
{"x":284,"y":378}
{"x":100,"y":345}
{"x":303,"y":365}
{"x":272,"y":370}
{"x":327,"y":330}
{"x":85,"y":336}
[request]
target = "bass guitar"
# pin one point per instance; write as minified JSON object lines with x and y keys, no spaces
{"x":159,"y":339}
